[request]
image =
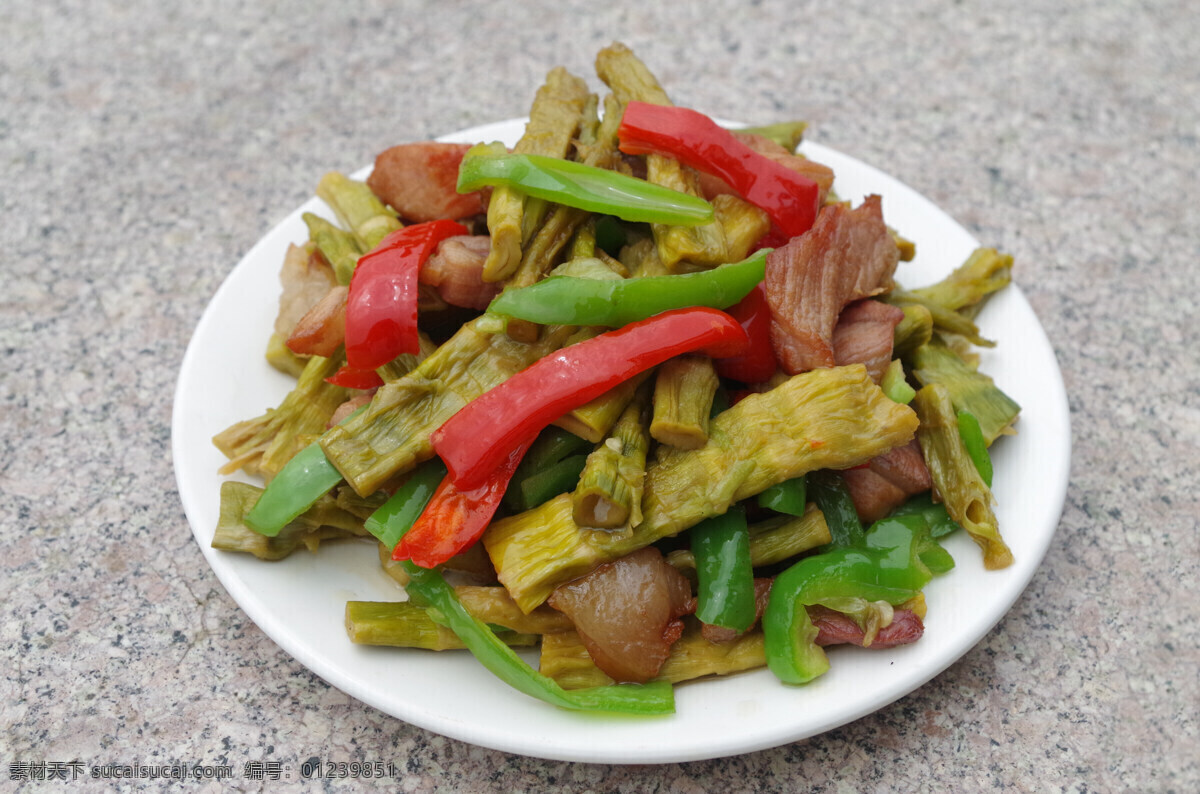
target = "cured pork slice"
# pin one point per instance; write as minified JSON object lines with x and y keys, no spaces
{"x":456,"y":270}
{"x":627,"y":613}
{"x":834,"y":628}
{"x":863,"y":335}
{"x":847,"y":255}
{"x":887,"y":481}
{"x":306,"y":279}
{"x":419,"y":181}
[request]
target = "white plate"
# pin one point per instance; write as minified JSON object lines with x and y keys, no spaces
{"x":299,"y":602}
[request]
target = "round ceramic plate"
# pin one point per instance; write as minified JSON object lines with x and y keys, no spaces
{"x":299,"y":602}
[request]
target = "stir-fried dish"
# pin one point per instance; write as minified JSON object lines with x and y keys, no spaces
{"x":641,"y":391}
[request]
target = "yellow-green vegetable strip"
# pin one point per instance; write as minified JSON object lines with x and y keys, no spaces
{"x":683,"y":397}
{"x":630,"y":81}
{"x":403,"y":624}
{"x":969,"y":389}
{"x":595,"y":419}
{"x":368,"y":218}
{"x":984,"y":272}
{"x":609,"y":494}
{"x":392,"y":435}
{"x":565,"y":658}
{"x":340,"y":248}
{"x":914,"y":330}
{"x":261,"y":446}
{"x":325,"y":520}
{"x":956,"y":481}
{"x":828,"y":418}
{"x":554,"y":118}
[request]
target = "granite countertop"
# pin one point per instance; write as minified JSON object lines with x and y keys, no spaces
{"x":147,"y":146}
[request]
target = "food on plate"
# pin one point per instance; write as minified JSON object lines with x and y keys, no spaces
{"x":643,"y":392}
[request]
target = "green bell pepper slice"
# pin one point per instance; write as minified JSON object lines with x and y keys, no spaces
{"x":885,"y":567}
{"x":570,"y":300}
{"x":937,"y":524}
{"x":299,"y":484}
{"x":940,"y":522}
{"x":397,"y":515}
{"x":829,"y":491}
{"x":582,"y":186}
{"x":544,"y":485}
{"x":789,"y":497}
{"x":725,"y":593}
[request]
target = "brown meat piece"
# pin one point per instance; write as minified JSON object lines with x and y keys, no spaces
{"x":887,"y":481}
{"x":306,"y":279}
{"x":864,"y":334}
{"x":350,"y":406}
{"x":838,"y":629}
{"x":627,"y":613}
{"x":322,"y":330}
{"x":418,"y":181}
{"x":846,"y":256}
{"x":456,"y":270}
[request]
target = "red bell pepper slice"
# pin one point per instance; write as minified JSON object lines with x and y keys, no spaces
{"x":478,"y":439}
{"x":791,"y":199}
{"x":455,"y":517}
{"x":758,"y":364}
{"x":381,"y":309}
{"x":350,"y":378}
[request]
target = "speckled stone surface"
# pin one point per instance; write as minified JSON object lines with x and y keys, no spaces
{"x":145,"y":147}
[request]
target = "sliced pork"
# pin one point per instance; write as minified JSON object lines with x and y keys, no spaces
{"x":863,"y":335}
{"x":322,"y":330}
{"x":419,"y":180}
{"x":306,"y":279}
{"x":348,"y":407}
{"x":846,"y":256}
{"x":838,"y":629}
{"x":887,"y":481}
{"x":627,"y":613}
{"x":456,"y":270}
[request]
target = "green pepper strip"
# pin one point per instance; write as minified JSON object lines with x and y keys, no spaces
{"x":552,"y":447}
{"x":570,"y":300}
{"x":586,"y":187}
{"x":940,"y":522}
{"x":829,"y":491}
{"x":972,"y":438}
{"x":428,"y":588}
{"x":721,"y":546}
{"x":884,"y":568}
{"x":789,"y":497}
{"x":299,"y":484}
{"x":655,"y":697}
{"x":541,"y":487}
{"x":397,"y":514}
